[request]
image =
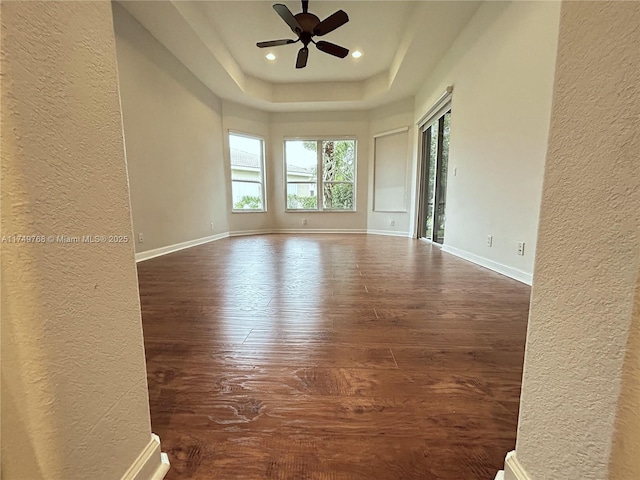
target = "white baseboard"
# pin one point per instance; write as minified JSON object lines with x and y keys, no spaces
{"x":318,"y":230}
{"x":511,"y":272}
{"x":244,"y":233}
{"x":156,"y":252}
{"x":499,"y":475}
{"x":513,"y":470}
{"x":390,"y":233}
{"x":151,"y":464}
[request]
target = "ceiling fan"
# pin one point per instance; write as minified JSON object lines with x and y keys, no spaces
{"x":306,"y":26}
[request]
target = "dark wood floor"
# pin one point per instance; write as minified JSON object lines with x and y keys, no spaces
{"x":331,"y":357}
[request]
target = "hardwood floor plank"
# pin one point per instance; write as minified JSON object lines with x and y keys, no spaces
{"x":205,"y":353}
{"x":331,"y":357}
{"x":286,"y":380}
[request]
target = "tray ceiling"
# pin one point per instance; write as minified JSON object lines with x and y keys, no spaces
{"x":401,"y":43}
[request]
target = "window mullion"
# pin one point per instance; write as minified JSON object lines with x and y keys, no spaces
{"x":320,"y":177}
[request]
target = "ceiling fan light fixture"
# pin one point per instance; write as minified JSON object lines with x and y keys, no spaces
{"x":356,"y":54}
{"x":305,"y":26}
{"x":270,"y":56}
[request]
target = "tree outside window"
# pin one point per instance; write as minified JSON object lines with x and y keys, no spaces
{"x":335,"y":159}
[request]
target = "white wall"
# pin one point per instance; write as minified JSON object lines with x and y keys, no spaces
{"x":502,"y":68}
{"x":579,"y":414}
{"x":74,"y":391}
{"x":288,"y":125}
{"x":174,"y":141}
{"x":242,"y":119}
{"x":384,"y":119}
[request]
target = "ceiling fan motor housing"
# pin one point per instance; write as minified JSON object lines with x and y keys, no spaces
{"x":308,"y":21}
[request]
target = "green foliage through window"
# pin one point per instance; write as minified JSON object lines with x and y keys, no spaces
{"x":248,"y":203}
{"x":296,"y":202}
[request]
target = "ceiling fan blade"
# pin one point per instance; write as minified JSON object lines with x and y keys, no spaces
{"x":303,"y":54}
{"x":275,"y":43}
{"x":288,"y":17}
{"x":332,"y":49}
{"x":330,"y":23}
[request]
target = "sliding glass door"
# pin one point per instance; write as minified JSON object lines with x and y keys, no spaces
{"x":435,"y":156}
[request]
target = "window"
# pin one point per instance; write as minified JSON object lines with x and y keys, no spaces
{"x":335,"y":159}
{"x":247,"y":173}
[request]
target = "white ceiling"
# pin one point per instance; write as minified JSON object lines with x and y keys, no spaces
{"x":401,"y":42}
{"x":375,"y":34}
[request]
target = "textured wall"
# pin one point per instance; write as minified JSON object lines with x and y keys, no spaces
{"x":74,"y":392}
{"x":173,"y":134}
{"x":588,"y":249}
{"x":501,"y":67}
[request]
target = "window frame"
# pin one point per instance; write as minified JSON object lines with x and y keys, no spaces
{"x":319,"y":181}
{"x":262,"y":177}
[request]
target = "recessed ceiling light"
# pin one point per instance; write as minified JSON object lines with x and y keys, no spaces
{"x":356,"y":54}
{"x":270,"y":56}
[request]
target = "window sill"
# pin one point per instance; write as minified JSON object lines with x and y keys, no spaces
{"x":320,"y":211}
{"x":248,"y":211}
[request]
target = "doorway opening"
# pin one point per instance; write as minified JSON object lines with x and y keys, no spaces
{"x":433,"y":176}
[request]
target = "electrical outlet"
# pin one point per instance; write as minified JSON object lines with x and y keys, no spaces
{"x":392,"y":223}
{"x":489,"y":240}
{"x":520,"y":248}
{"x":455,"y":171}
{"x":211,"y":225}
{"x":140,"y":238}
{"x":304,"y":221}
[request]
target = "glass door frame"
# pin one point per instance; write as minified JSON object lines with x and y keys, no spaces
{"x":425,"y":152}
